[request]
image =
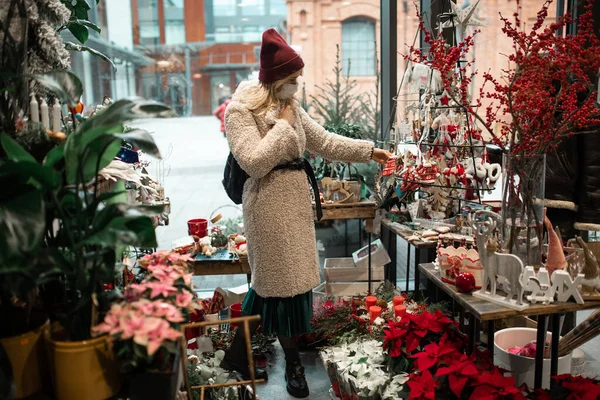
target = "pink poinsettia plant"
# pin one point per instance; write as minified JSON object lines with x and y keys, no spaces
{"x":145,"y":327}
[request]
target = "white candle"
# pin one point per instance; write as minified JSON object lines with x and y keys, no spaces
{"x":34,"y":110}
{"x":44,"y":114}
{"x":56,"y":116}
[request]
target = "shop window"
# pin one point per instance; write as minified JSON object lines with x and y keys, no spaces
{"x":278,"y":7}
{"x":174,"y":25}
{"x":253,"y":7}
{"x":220,"y":86}
{"x":149,"y":28}
{"x":252,"y":33}
{"x":224,"y":8}
{"x":358,"y":46}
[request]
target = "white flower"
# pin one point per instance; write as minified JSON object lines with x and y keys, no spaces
{"x":379,"y":321}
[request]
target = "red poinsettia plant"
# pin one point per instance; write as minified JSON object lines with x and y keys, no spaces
{"x":431,"y":348}
{"x":569,"y":387}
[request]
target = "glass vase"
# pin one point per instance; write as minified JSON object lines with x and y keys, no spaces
{"x":523,"y":187}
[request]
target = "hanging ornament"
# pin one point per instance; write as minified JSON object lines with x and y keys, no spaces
{"x":463,"y":16}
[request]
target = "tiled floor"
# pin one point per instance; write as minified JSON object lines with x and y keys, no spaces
{"x":316,"y":377}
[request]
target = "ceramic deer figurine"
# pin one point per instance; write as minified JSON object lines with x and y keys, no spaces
{"x":495,"y":263}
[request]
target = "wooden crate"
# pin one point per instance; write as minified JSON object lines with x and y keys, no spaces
{"x":344,"y":270}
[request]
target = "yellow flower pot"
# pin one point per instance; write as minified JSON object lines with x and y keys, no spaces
{"x":28,"y":360}
{"x":83,"y":370}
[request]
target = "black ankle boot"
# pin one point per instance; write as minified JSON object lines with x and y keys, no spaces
{"x":238,"y":362}
{"x":296,"y":381}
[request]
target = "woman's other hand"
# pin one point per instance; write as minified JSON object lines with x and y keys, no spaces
{"x":381,"y":156}
{"x":288,"y":115}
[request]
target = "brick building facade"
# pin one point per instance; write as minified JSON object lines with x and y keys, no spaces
{"x":202,"y":48}
{"x":317,"y":27}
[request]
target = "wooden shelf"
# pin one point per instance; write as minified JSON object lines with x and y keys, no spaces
{"x":488,"y":311}
{"x":341,"y":211}
{"x":406,"y":233}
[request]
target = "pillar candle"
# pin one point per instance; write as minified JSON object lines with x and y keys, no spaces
{"x":374,"y":312}
{"x":34,"y":109}
{"x":45,"y":116}
{"x":399,"y":311}
{"x":398,"y":300}
{"x":370,"y":301}
{"x":56,"y":125}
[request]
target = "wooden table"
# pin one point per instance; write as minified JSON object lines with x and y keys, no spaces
{"x":485,"y":311}
{"x":340,"y":211}
{"x":222,"y":263}
{"x":424,"y":251}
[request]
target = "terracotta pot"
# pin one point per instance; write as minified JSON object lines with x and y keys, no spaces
{"x":82,"y":370}
{"x":28,"y":360}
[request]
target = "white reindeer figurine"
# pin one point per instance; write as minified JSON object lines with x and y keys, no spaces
{"x":495,"y":263}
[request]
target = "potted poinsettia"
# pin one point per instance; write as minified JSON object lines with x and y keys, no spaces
{"x":144,"y":329}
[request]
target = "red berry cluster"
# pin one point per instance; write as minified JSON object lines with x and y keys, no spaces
{"x":548,"y":93}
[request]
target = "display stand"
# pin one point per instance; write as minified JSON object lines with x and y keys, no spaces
{"x":485,"y":311}
{"x":245,"y":321}
{"x":424,"y":251}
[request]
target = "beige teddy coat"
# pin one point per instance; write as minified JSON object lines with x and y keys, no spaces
{"x":277,"y":205}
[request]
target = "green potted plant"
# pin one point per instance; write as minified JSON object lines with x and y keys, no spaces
{"x":63,"y":239}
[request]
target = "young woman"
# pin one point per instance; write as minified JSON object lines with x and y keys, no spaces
{"x":268,"y":133}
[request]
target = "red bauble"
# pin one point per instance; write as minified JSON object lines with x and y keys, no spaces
{"x":465,"y":282}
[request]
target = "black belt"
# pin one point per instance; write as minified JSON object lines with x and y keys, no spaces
{"x":303,"y":164}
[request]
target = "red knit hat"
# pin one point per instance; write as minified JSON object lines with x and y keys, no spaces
{"x":277,"y":59}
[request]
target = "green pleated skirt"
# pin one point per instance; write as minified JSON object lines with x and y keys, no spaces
{"x":285,"y":316}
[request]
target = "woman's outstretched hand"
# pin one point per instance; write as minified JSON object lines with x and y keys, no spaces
{"x":381,"y":156}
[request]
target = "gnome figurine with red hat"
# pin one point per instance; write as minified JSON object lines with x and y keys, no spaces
{"x":268,"y":133}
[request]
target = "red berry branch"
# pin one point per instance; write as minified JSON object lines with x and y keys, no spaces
{"x":548,"y":94}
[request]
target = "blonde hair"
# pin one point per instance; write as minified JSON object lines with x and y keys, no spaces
{"x":260,"y":98}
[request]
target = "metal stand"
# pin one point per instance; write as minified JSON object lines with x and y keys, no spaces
{"x":246,"y":326}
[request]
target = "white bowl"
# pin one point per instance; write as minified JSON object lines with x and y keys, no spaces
{"x":523,"y":368}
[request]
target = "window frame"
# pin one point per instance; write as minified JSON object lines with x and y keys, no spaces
{"x":367,"y":64}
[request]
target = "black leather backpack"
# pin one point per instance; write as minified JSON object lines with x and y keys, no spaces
{"x":234,"y":178}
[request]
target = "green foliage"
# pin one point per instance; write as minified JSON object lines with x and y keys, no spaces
{"x":351,"y":131}
{"x":337,"y":101}
{"x":60,"y":235}
{"x":79,"y":24}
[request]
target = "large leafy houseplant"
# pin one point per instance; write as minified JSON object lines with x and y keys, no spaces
{"x":63,"y":239}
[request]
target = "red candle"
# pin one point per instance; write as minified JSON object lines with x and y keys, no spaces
{"x":398,"y":300}
{"x":370,"y":301}
{"x":374,"y":312}
{"x":399,"y":311}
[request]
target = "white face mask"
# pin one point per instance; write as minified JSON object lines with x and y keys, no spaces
{"x":287,"y":91}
